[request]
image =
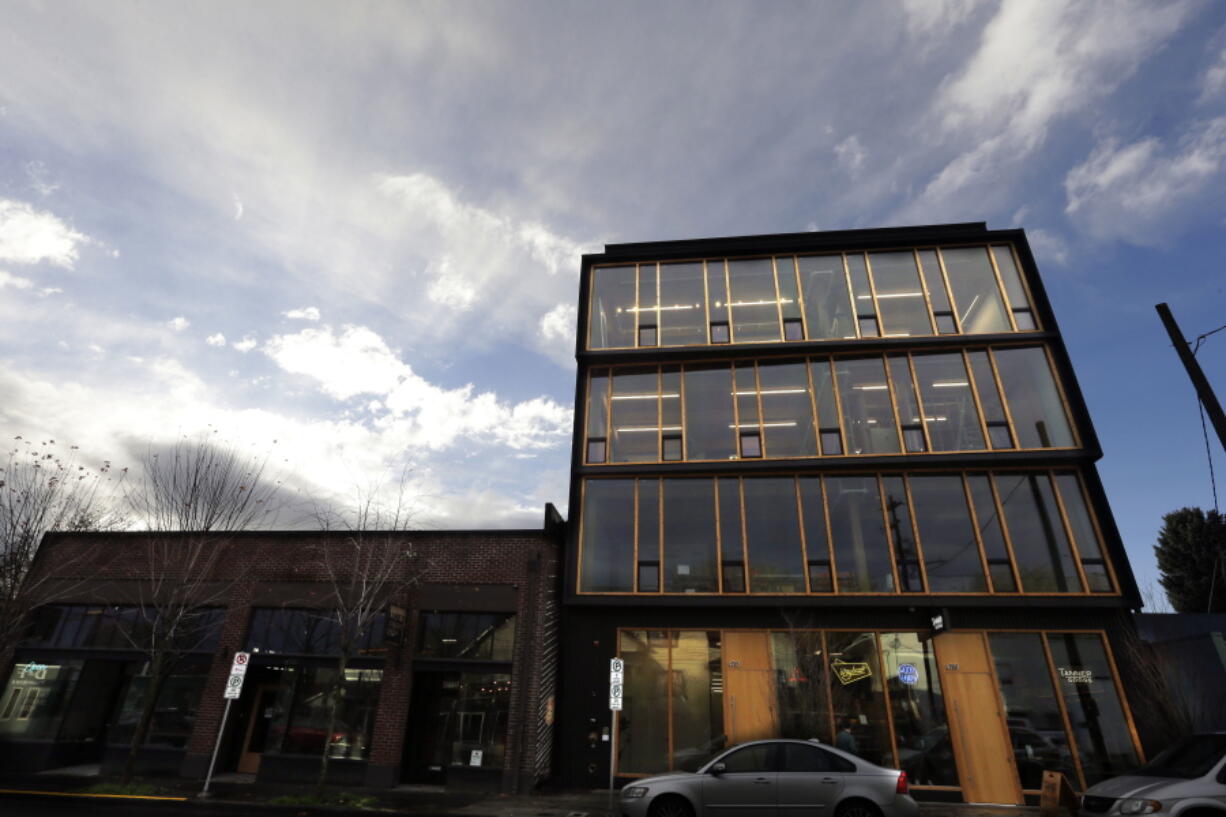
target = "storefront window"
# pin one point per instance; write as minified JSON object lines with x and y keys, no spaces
{"x":307,"y":632}
{"x":118,"y":627}
{"x":697,"y":699}
{"x":1032,"y":712}
{"x":300,"y":721}
{"x":1084,"y":676}
{"x":175,"y":711}
{"x":643,"y":725}
{"x":36,"y":697}
{"x":800,"y":685}
{"x":611,"y":323}
{"x":925,"y":751}
{"x":473,"y":636}
{"x":858,"y":698}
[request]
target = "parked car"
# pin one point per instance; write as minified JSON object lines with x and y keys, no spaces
{"x":766,"y":777}
{"x":1186,"y":780}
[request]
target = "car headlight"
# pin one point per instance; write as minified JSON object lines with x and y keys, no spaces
{"x":633,"y":792}
{"x":1140,"y":806}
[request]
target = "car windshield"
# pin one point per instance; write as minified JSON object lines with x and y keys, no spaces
{"x":1191,"y":757}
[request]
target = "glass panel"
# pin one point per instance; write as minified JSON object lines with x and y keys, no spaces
{"x":1040,"y":546}
{"x":900,"y":295}
{"x":608,"y":536}
{"x":752,"y":759}
{"x":787,"y":413}
{"x":35,"y":698}
{"x":747,"y":407}
{"x":860,"y":289}
{"x":635,"y":415}
{"x":827,"y":303}
{"x":698,"y":698}
{"x":991,"y":534}
{"x":300,"y":721}
{"x":1034,"y":402}
{"x":976,"y":295}
{"x":709,"y":433}
{"x":611,"y":323}
{"x":800,"y":690}
{"x":951,"y":552}
{"x":649,"y":534}
{"x":1093,"y":560}
{"x":755,"y":305}
{"x":902,"y":534}
{"x":772,"y":532}
{"x":789,"y":297}
{"x":1010,"y":277}
{"x":477,"y":636}
{"x":908,"y":407}
{"x":1084,"y":675}
{"x":683,"y":318}
{"x":861,"y":550}
{"x":949,"y":403}
{"x":717,"y":300}
{"x":813,"y":514}
{"x":648,"y":304}
{"x":937,"y":294}
{"x":642,"y":740}
{"x":689,"y":536}
{"x":1031,"y":710}
{"x":858,"y":698}
{"x":868,"y":414}
{"x":732,"y":552}
{"x":925,"y":752}
{"x":173,"y":715}
{"x":597,"y":409}
{"x":827,"y":407}
{"x":989,"y":399}
{"x":670,"y":401}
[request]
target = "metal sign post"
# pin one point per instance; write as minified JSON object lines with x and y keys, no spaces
{"x":233,"y":690}
{"x":617,"y":678}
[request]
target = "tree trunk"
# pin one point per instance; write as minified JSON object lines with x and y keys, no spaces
{"x":334,"y":694}
{"x":157,"y":679}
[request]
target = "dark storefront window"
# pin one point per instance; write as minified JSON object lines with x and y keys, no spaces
{"x":477,"y":636}
{"x":697,"y":699}
{"x":921,"y":732}
{"x":70,"y":626}
{"x":857,"y":697}
{"x":35,"y":698}
{"x":278,"y":630}
{"x":643,"y":727}
{"x":300,"y":719}
{"x":175,"y":711}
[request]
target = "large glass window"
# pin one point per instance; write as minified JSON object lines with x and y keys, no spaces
{"x":1093,"y":561}
{"x":868,"y":413}
{"x":611,"y":323}
{"x":475,"y":636}
{"x":1034,"y":401}
{"x":642,"y":745}
{"x":1040,"y":545}
{"x":800,"y":695}
{"x":900,"y":295}
{"x":697,"y":698}
{"x":949,"y":402}
{"x":608,"y":536}
{"x":898,"y":518}
{"x":36,"y":697}
{"x":772,"y":534}
{"x":947,"y":534}
{"x":300,"y":719}
{"x":690,"y":543}
{"x":921,"y":732}
{"x":857,"y":696}
{"x":731,"y":540}
{"x":861,"y":549}
{"x":683,"y":318}
{"x":635,"y":409}
{"x":174,"y":714}
{"x":709,"y":418}
{"x":597,"y":417}
{"x":467,"y":714}
{"x":117,"y":627}
{"x":991,"y":533}
{"x":823,"y":284}
{"x":1011,"y":277}
{"x":280,"y":630}
{"x":787,"y":413}
{"x":976,"y":294}
{"x":754,"y":300}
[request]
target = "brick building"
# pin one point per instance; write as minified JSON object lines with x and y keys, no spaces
{"x":465,"y":696}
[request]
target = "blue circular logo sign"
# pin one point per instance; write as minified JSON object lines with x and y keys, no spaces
{"x":907,"y":673}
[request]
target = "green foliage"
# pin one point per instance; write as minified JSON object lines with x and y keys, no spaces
{"x":359,"y":801}
{"x":1191,"y":553}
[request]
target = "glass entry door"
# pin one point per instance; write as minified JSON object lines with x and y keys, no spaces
{"x":457,"y":720}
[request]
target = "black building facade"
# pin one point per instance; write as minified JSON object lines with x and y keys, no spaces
{"x":839,"y":482}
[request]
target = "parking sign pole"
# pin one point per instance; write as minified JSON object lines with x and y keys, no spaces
{"x":233,"y":690}
{"x":209,"y":777}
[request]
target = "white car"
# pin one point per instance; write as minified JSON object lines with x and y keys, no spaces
{"x":1186,"y":780}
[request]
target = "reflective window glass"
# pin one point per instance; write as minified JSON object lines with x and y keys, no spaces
{"x":976,"y":294}
{"x":827,"y":407}
{"x":787,"y":413}
{"x":1014,"y":291}
{"x":1034,"y":401}
{"x":697,"y":698}
{"x":174,"y":714}
{"x":827,"y":302}
{"x":300,"y":718}
{"x":938,"y":296}
{"x":755,"y":304}
{"x":732,"y":552}
{"x":908,"y":407}
{"x":670,"y":403}
{"x":1044,"y":559}
{"x":635,"y":415}
{"x":789,"y":297}
{"x":922,"y":734}
{"x":861,"y":549}
{"x":817,"y":546}
{"x":642,"y":739}
{"x":1093,"y":560}
{"x":649,"y":536}
{"x":608,"y":536}
{"x":990,"y":533}
{"x":772,"y":535}
{"x":800,"y":758}
{"x":866,"y":311}
{"x":611,"y":322}
{"x":36,"y":697}
{"x":1084,"y":676}
{"x":858,"y":697}
{"x":648,"y":304}
{"x":951,"y":552}
{"x":718,"y":311}
{"x":989,"y":399}
{"x":902,"y":534}
{"x":900,"y":295}
{"x":949,"y":402}
{"x":474,"y":636}
{"x":757,"y":758}
{"x":683,"y":317}
{"x":597,"y":407}
{"x":689,"y":536}
{"x":868,"y":414}
{"x":800,"y":698}
{"x":709,"y":419}
{"x":1032,"y":712}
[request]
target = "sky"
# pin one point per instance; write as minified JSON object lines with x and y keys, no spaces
{"x":348,"y":235}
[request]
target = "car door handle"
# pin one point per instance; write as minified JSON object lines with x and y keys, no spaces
{"x":762,"y":781}
{"x":829,"y":780}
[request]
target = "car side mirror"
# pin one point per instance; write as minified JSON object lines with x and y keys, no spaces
{"x":718,"y":769}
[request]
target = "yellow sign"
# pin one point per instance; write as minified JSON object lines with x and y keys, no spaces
{"x":850,"y":672}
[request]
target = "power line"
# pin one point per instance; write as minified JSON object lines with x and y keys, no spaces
{"x":1203,"y":428}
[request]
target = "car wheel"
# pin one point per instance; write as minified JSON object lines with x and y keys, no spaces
{"x":857,"y":808}
{"x":671,"y":805}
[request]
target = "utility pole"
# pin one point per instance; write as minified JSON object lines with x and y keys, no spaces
{"x":1203,"y":390}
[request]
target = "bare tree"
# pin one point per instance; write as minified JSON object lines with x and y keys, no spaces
{"x":368,"y":562}
{"x":1171,"y":702}
{"x":190,"y":497}
{"x":41,"y":491}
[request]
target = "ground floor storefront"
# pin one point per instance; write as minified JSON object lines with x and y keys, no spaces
{"x":975,"y":715}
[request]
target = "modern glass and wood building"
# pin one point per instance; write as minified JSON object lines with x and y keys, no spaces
{"x":839,"y":482}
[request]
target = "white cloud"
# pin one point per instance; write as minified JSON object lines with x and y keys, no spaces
{"x":1213,"y":81}
{"x":558,"y":331}
{"x":30,"y":236}
{"x":39,"y":176}
{"x":851,"y":154}
{"x":309,"y":313}
{"x":246,"y":344}
{"x":238,"y":208}
{"x":1047,"y":246}
{"x":357,"y":361}
{"x":1144,"y":191}
{"x":8,"y":279}
{"x":45,"y":291}
{"x":178,"y":323}
{"x":927,"y":17}
{"x":217,"y":339}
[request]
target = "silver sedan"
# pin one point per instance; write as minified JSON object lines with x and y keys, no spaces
{"x":774,"y":778}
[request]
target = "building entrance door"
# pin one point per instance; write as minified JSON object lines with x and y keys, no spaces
{"x":752,"y":710}
{"x":977,"y":725}
{"x":257,"y":729}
